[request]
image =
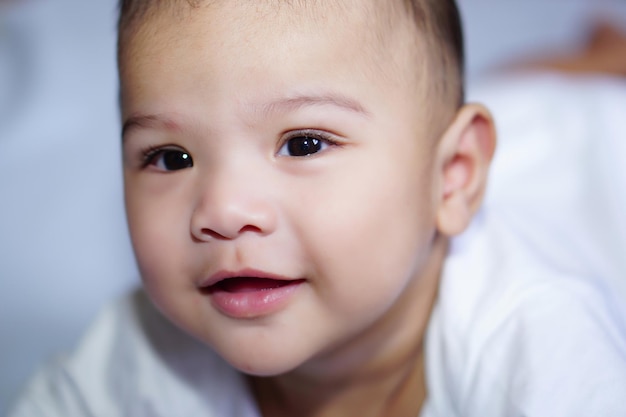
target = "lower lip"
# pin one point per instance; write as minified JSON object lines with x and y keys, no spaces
{"x":253,"y":304}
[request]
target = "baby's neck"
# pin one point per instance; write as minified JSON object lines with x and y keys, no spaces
{"x":381,"y":374}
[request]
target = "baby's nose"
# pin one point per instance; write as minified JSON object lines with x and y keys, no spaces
{"x":230,"y":205}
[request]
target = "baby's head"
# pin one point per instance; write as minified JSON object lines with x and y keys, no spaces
{"x":293,"y":170}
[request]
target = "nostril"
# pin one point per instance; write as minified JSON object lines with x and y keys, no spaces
{"x":213,"y":234}
{"x":206,"y":233}
{"x":250,"y":228}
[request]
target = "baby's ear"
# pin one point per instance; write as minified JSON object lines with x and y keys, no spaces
{"x":464,"y":156}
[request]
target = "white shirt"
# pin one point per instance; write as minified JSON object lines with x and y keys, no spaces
{"x":511,"y":336}
{"x":133,"y":362}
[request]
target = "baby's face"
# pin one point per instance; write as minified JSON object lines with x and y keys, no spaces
{"x":279,"y":182}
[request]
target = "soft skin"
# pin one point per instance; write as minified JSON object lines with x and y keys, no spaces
{"x":364,"y":221}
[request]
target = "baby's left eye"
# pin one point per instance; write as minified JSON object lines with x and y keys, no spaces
{"x":303,"y":145}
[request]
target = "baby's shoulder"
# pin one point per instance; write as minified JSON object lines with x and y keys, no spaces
{"x":133,"y":361}
{"x":514,"y":335}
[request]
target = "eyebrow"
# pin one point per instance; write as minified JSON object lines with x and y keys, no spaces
{"x":297,"y":102}
{"x":150,"y":121}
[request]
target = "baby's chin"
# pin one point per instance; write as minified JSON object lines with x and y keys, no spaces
{"x":252,"y":357}
{"x":254,"y":364}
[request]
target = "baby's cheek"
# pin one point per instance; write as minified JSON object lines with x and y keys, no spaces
{"x":166,"y":285}
{"x":154,"y":247}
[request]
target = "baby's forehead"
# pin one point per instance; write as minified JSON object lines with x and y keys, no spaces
{"x":378,"y":16}
{"x":381,"y":32}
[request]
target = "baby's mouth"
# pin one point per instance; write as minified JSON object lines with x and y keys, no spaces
{"x":249,"y":284}
{"x":250,"y":294}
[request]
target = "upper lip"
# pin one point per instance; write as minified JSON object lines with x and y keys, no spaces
{"x":247,"y":272}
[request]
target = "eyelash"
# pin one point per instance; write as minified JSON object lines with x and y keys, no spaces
{"x":322,"y":136}
{"x":149,"y":154}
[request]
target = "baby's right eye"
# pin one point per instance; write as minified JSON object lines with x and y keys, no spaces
{"x":168,"y":159}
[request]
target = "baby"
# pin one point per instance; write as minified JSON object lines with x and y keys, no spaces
{"x":294,"y":172}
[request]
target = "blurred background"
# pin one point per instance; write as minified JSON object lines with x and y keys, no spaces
{"x":64,"y":249}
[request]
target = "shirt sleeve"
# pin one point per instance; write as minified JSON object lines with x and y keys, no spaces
{"x":560,"y":352}
{"x":51,"y":393}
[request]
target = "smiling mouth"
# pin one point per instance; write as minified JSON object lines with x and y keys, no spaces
{"x":250,"y":294}
{"x":249,"y":284}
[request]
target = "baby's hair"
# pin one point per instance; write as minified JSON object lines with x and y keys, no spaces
{"x":438,"y":20}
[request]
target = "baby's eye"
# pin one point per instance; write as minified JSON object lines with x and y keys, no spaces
{"x":304,"y":144}
{"x":168,"y":159}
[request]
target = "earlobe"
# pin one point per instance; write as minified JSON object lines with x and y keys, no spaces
{"x":464,"y":157}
